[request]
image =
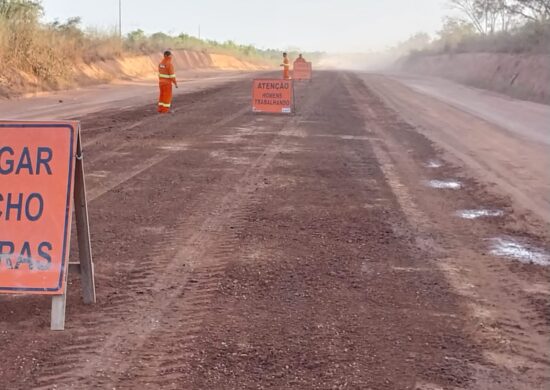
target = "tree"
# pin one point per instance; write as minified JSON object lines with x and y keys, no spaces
{"x":418,"y":41}
{"x":136,"y":36}
{"x":487,"y":16}
{"x":455,"y":30}
{"x":70,"y":27}
{"x":533,"y":10}
{"x":24,"y":11}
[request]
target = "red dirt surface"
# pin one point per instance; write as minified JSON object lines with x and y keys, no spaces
{"x":241,"y":251}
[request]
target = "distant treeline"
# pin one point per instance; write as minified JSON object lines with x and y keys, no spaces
{"x":503,"y":26}
{"x":44,"y":49}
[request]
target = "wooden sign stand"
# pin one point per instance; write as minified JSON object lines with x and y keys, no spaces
{"x":85,"y":266}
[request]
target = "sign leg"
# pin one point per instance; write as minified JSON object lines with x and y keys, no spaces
{"x":59,"y":302}
{"x":83,"y":230}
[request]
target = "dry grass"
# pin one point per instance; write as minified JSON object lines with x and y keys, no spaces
{"x":43,"y":55}
{"x":29,"y":48}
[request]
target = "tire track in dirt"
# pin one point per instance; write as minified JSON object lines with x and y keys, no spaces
{"x":183,"y":282}
{"x":118,"y":177}
{"x":107,"y":180}
{"x":513,"y":163}
{"x":166,"y":366}
{"x":110,"y":180}
{"x":88,"y":353}
{"x":512,"y":330}
{"x":315,"y":301}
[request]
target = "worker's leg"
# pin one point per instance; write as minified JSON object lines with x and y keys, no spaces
{"x":169,"y":97}
{"x":165,"y":98}
{"x":161,"y":98}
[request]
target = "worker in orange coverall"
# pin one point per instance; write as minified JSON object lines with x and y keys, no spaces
{"x":286,"y":67}
{"x":300,"y":59}
{"x":167,"y":77}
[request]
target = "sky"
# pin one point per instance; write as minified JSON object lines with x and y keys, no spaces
{"x":310,"y":25}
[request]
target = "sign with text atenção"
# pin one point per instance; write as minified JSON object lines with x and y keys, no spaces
{"x":37,"y":165}
{"x":274,"y":96}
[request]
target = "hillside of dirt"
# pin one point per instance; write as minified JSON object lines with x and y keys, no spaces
{"x":522,"y":76}
{"x":16,"y":82}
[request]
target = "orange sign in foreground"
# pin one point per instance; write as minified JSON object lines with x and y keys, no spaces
{"x":273,"y":96}
{"x":301,"y":71}
{"x":37,"y":164}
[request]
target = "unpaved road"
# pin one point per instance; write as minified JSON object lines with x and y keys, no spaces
{"x":505,"y":142}
{"x":241,"y":251}
{"x":120,"y":95}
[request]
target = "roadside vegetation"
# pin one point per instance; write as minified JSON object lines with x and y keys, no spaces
{"x":29,"y":46}
{"x":490,"y":26}
{"x":47,"y":50}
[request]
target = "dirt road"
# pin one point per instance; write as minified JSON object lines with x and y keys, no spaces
{"x":121,"y":94}
{"x":504,"y":142}
{"x":241,"y":251}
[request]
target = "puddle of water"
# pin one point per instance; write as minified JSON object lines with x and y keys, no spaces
{"x":478,"y":213}
{"x":434,"y":164}
{"x":176,"y":147}
{"x":100,"y":174}
{"x":506,"y":247}
{"x":410,"y":269}
{"x":347,"y":137}
{"x":354,"y":137}
{"x":445,"y":184}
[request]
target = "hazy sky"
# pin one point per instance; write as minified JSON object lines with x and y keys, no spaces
{"x":328,"y":25}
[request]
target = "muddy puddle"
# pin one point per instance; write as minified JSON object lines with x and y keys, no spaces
{"x":445,"y":184}
{"x":434,"y":164}
{"x":176,"y":147}
{"x":479,"y":213}
{"x":508,"y":247}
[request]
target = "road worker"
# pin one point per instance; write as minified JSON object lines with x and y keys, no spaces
{"x":300,"y":59}
{"x":286,"y":67}
{"x":167,"y":77}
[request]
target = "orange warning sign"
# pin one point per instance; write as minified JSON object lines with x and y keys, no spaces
{"x":273,"y":96}
{"x":37,"y":165}
{"x":301,"y":71}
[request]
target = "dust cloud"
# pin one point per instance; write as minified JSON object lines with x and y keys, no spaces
{"x":375,"y":61}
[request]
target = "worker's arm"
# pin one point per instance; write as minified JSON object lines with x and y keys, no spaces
{"x":172,"y":74}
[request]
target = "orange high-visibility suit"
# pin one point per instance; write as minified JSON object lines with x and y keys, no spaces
{"x":167,"y":77}
{"x":286,"y":68}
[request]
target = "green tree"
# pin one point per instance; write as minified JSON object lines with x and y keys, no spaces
{"x":415,"y":42}
{"x":20,"y":11}
{"x":455,"y":30}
